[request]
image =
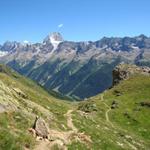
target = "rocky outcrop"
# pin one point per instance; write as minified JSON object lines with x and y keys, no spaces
{"x":41,"y":128}
{"x":114,"y":105}
{"x":2,"y":108}
{"x":124,"y":71}
{"x":20,"y":93}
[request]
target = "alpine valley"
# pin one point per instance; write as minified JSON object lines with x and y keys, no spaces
{"x":117,"y":119}
{"x":77,"y":70}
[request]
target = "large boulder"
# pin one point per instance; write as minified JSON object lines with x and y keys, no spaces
{"x":41,"y":128}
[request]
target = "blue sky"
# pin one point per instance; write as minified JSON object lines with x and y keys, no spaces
{"x":80,"y":20}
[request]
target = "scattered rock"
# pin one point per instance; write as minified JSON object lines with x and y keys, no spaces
{"x":84,"y":138}
{"x":126,"y":114}
{"x":20,"y":93}
{"x":128,"y":137}
{"x":7,"y":107}
{"x":145,"y":104}
{"x":114,"y":105}
{"x":88,"y":107}
{"x":120,"y":144}
{"x":121,"y":134}
{"x":117,"y":93}
{"x":32,"y":131}
{"x":2,"y":108}
{"x":146,"y":69}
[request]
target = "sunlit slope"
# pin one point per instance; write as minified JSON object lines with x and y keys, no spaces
{"x":119,"y":118}
{"x":21,"y":100}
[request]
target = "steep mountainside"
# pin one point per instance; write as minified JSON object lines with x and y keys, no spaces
{"x":76,"y":69}
{"x":21,"y":100}
{"x":117,"y":119}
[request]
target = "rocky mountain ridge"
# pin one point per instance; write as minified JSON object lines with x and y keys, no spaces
{"x":71,"y":67}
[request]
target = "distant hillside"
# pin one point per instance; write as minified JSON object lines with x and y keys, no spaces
{"x":76,"y":69}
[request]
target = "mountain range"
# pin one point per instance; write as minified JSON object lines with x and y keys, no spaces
{"x":78,"y":70}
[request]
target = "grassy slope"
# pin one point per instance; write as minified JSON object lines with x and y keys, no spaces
{"x":134,"y":91}
{"x":119,"y":132}
{"x":122,"y":131}
{"x":14,"y":124}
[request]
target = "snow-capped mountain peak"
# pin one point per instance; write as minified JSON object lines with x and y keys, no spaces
{"x":55,"y":39}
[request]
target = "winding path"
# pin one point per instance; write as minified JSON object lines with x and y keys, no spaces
{"x":63,"y":138}
{"x":69,"y":121}
{"x":107,"y":112}
{"x":108,"y":120}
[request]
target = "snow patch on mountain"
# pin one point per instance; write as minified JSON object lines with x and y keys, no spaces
{"x":55,"y":43}
{"x":55,"y":39}
{"x":3,"y":53}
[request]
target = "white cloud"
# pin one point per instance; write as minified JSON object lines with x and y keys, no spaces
{"x":25,"y":41}
{"x":60,"y":25}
